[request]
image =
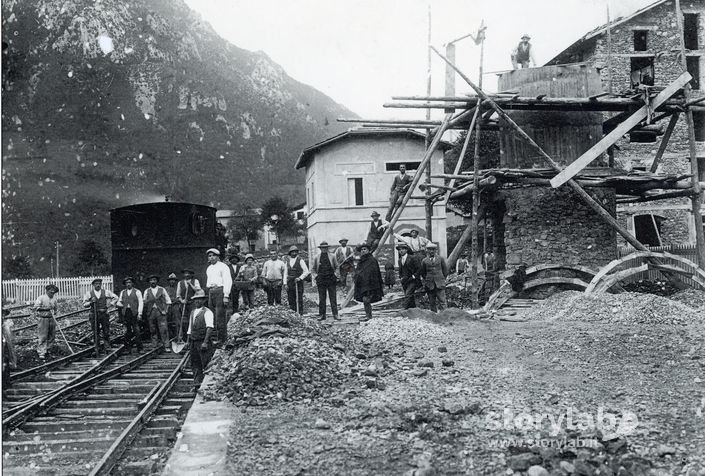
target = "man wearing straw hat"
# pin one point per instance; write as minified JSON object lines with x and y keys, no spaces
{"x":45,"y":307}
{"x":98,"y":300}
{"x":200,"y":330}
{"x":523,"y":53}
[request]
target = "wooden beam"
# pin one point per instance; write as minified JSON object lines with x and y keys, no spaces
{"x":591,"y":202}
{"x":664,"y":142}
{"x":610,"y":139}
{"x":466,"y":142}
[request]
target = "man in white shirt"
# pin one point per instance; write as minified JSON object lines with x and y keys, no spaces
{"x":416,"y":243}
{"x":295,"y":271}
{"x":45,"y":307}
{"x":342,"y":253}
{"x":200,"y":329}
{"x":273,"y":275}
{"x":98,"y":300}
{"x":218,"y":283}
{"x":130,"y":304}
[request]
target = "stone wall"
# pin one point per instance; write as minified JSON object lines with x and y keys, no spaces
{"x":543,"y":225}
{"x":675,"y":228}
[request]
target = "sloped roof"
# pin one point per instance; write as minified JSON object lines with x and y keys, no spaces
{"x":308,"y":152}
{"x":602,"y":29}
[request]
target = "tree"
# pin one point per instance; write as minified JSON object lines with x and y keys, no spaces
{"x":17,"y":267}
{"x":276,"y":214}
{"x":246,"y":227}
{"x":90,"y":259}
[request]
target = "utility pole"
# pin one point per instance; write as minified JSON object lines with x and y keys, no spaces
{"x":57,"y":245}
{"x":429,"y":204}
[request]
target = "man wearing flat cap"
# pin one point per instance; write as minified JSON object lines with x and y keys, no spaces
{"x":323,"y":271}
{"x":523,"y":54}
{"x":131,"y":305}
{"x":219,"y":284}
{"x":45,"y":308}
{"x":200,"y":330}
{"x":156,"y":306}
{"x":434,"y":270}
{"x":98,"y":300}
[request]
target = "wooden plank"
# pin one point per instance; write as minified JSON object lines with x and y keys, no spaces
{"x":664,"y":142}
{"x":610,"y":139}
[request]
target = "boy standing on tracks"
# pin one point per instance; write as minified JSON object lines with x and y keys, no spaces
{"x":131,"y":304}
{"x":45,"y":307}
{"x":200,"y":329}
{"x":156,"y":305}
{"x":97,"y":300}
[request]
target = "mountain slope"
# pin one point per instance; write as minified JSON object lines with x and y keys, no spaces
{"x":107,"y":103}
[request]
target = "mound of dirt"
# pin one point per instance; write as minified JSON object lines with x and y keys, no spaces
{"x":636,"y":308}
{"x":691,"y":297}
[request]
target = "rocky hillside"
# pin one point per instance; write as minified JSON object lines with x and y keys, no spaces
{"x":108,"y":103}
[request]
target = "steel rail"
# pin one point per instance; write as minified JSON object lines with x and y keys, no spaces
{"x":18,"y":415}
{"x":63,"y":316}
{"x":151,"y":403}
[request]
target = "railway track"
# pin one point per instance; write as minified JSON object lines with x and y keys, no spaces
{"x":118,"y":416}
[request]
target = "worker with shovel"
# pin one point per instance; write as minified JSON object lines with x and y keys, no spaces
{"x":200,"y":330}
{"x":98,"y":300}
{"x":45,"y":307}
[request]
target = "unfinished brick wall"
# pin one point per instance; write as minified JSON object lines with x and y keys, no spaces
{"x":543,"y":225}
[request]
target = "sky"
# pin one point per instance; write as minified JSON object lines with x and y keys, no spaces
{"x":363,"y":52}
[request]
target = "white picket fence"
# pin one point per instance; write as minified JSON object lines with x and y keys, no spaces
{"x":24,"y":290}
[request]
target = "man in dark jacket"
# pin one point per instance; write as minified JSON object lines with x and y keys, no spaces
{"x":400,"y":186}
{"x":434,"y":270}
{"x":408,"y":275}
{"x":369,"y":286}
{"x":377,"y":227}
{"x":324,"y":273}
{"x":234,"y":265}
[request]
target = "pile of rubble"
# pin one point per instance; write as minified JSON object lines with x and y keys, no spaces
{"x":276,"y":355}
{"x":691,"y":297}
{"x":634,"y":308}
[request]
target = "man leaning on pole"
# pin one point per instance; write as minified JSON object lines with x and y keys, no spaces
{"x":98,"y":300}
{"x":45,"y":307}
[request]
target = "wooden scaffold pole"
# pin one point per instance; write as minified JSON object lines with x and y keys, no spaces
{"x":697,"y":197}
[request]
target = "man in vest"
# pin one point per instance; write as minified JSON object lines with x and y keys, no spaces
{"x":408,"y":275}
{"x":200,"y":330}
{"x":234,"y":264}
{"x":342,"y":253}
{"x":523,"y":53}
{"x":295,"y":272}
{"x":377,"y":227}
{"x":434,"y":270}
{"x":184,"y":292}
{"x":323,"y":271}
{"x":174,"y":312}
{"x":131,"y":305}
{"x":98,"y":300}
{"x":400,"y":186}
{"x":219,"y":284}
{"x":156,"y":306}
{"x":45,"y":307}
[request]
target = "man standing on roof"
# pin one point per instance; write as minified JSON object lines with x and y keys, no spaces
{"x":400,"y":186}
{"x":156,"y":305}
{"x":219,"y":283}
{"x":295,"y":271}
{"x":523,"y":53}
{"x":131,"y":305}
{"x":45,"y":307}
{"x":97,"y":300}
